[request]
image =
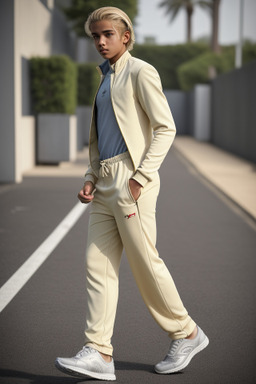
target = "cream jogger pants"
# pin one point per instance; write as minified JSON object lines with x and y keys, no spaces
{"x":118,"y":221}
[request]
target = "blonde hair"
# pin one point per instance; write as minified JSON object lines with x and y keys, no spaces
{"x":116,"y":15}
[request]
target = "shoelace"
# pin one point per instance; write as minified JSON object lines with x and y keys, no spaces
{"x":174,"y":345}
{"x":84,"y":351}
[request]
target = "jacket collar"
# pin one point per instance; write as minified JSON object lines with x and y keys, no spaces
{"x":117,"y":67}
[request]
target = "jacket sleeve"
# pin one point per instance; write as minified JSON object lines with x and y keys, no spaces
{"x":155,"y":105}
{"x":90,"y":175}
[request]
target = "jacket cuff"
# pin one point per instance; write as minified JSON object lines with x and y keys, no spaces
{"x":90,"y":178}
{"x":142,"y":180}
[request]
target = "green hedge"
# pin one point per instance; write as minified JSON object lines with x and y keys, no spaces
{"x":196,"y":71}
{"x":53,"y":84}
{"x":249,"y":52}
{"x":88,"y":81}
{"x":167,"y":58}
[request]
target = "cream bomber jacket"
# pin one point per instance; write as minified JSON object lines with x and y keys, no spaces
{"x":143,"y":116}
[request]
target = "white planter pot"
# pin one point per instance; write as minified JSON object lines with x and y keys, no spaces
{"x":83,"y":114}
{"x":202,"y":112}
{"x":56,"y":138}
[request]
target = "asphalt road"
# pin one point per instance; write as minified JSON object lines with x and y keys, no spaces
{"x":208,"y":247}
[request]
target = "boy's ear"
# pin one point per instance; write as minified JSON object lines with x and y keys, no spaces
{"x":126,"y":37}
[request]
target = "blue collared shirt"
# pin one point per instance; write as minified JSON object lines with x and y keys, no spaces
{"x":110,"y":139}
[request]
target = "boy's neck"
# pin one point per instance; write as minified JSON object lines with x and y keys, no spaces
{"x":116,"y":60}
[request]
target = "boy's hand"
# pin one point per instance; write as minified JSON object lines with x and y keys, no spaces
{"x":135,"y":189}
{"x":85,"y":195}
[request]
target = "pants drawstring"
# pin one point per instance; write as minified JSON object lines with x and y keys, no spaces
{"x":105,"y":165}
{"x":104,"y":169}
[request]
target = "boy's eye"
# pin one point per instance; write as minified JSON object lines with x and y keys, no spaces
{"x":108,"y":34}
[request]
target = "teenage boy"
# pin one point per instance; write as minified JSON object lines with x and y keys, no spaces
{"x":131,"y":132}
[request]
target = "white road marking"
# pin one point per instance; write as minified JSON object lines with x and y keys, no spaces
{"x":10,"y":289}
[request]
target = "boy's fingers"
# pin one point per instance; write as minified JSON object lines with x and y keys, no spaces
{"x":84,"y":198}
{"x":88,"y":188}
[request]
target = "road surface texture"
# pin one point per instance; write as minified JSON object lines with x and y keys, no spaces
{"x":207,"y":243}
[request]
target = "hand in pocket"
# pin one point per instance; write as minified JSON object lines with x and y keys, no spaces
{"x":135,"y":189}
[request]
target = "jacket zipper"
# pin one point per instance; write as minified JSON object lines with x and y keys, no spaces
{"x":93,"y":111}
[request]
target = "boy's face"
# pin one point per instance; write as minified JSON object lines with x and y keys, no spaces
{"x":108,"y":40}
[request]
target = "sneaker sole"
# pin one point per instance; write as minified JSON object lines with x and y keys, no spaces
{"x":198,"y":349}
{"x":79,"y":372}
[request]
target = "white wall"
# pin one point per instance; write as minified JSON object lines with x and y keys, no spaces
{"x":28,"y":139}
{"x":32,"y":37}
{"x":26,"y":30}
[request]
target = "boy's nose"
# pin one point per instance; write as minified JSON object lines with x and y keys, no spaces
{"x":101,"y":41}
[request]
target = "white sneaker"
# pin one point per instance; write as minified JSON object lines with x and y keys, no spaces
{"x":87,"y":363}
{"x":181,"y":352}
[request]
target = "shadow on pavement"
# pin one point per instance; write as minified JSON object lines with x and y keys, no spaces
{"x":131,"y":366}
{"x":40,"y":379}
{"x":36,"y":379}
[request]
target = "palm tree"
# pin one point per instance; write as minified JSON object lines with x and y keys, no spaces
{"x":174,"y":6}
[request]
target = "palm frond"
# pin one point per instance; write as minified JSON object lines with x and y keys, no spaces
{"x":205,"y":4}
{"x":173,"y":6}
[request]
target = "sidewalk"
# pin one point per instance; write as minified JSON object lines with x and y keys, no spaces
{"x":233,"y":176}
{"x":64,"y":169}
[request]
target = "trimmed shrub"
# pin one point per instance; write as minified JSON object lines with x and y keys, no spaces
{"x":53,"y":84}
{"x":196,"y":71}
{"x":88,"y":82}
{"x":249,"y":52}
{"x":167,"y":58}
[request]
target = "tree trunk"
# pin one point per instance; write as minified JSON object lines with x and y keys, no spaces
{"x":189,"y":10}
{"x":215,"y":26}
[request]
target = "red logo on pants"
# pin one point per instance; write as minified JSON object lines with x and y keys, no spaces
{"x":131,"y":215}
